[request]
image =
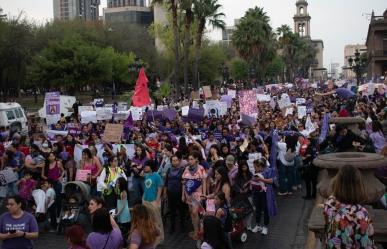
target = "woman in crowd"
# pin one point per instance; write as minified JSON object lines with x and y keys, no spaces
{"x":123,"y":213}
{"x":221,"y":184}
{"x":286,"y":155}
{"x":104,"y":236}
{"x":54,"y":171}
{"x":89,"y":162}
{"x":17,"y":227}
{"x":377,"y":136}
{"x":144,"y":231}
{"x":213,"y":234}
{"x":194,"y":178}
{"x":76,"y":237}
{"x":138,"y":162}
{"x":107,"y":181}
{"x":348,"y":223}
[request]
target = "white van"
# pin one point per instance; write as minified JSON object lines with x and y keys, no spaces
{"x":13,"y":118}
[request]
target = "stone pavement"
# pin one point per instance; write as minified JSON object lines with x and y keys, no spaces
{"x":288,"y":230}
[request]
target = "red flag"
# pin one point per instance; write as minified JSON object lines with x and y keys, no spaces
{"x":141,"y":93}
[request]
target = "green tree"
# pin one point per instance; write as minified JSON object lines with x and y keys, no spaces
{"x":186,"y":6}
{"x":239,"y":69}
{"x":205,"y":11}
{"x":275,"y":68}
{"x":212,"y":56}
{"x":255,"y":40}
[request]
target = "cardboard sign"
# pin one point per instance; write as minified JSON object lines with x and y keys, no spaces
{"x":248,"y":102}
{"x":231,"y":93}
{"x":113,"y":133}
{"x":137,"y":113}
{"x":88,"y":117}
{"x":85,"y":108}
{"x":301,"y":111}
{"x":263,"y":97}
{"x":207,"y":92}
{"x":82,"y":175}
{"x":7,"y":176}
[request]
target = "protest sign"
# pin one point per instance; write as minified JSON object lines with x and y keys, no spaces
{"x":104,"y":113}
{"x":231,"y":93}
{"x":79,"y":148}
{"x":184,"y":111}
{"x":169,"y":114}
{"x":74,"y":129}
{"x":284,"y":101}
{"x":113,"y":133}
{"x":289,"y":111}
{"x":215,"y":107}
{"x":161,"y":107}
{"x":99,"y":102}
{"x":82,"y":175}
{"x":248,"y":102}
{"x":7,"y":176}
{"x":122,"y":106}
{"x":88,"y":117}
{"x":207,"y":92}
{"x":52,"y":101}
{"x":137,"y":113}
{"x":195,"y":114}
{"x":300,"y":101}
{"x":121,"y":115}
{"x":153,"y":115}
{"x":263,"y":97}
{"x":301,"y":111}
{"x":85,"y":108}
{"x":52,"y":133}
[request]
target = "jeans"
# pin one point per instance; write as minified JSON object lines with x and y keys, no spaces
{"x":138,"y":188}
{"x":260,"y":203}
{"x":296,"y":171}
{"x":285,"y":175}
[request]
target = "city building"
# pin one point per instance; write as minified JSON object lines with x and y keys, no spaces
{"x":87,"y":10}
{"x":377,"y":45}
{"x":128,"y":12}
{"x":228,"y":32}
{"x":349,"y":52}
{"x":334,"y":70}
{"x":303,"y":28}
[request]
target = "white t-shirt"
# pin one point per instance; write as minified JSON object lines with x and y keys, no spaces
{"x":50,"y":197}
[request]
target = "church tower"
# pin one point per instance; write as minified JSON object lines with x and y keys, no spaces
{"x":302,"y":19}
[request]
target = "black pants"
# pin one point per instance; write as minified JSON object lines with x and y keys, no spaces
{"x":260,"y":203}
{"x":125,"y":228}
{"x":52,"y":213}
{"x":310,"y":178}
{"x":175,"y":204}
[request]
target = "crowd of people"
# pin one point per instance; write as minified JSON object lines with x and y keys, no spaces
{"x":181,"y":168}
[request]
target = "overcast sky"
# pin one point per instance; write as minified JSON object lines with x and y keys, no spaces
{"x":336,"y":22}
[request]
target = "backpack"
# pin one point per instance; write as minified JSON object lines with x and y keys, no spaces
{"x":289,"y":155}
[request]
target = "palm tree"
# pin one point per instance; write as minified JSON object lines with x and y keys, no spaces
{"x":283,"y":34}
{"x":173,"y":4}
{"x":187,"y":5}
{"x":205,"y":11}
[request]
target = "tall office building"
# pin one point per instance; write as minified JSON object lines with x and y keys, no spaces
{"x":87,"y":10}
{"x":128,"y":12}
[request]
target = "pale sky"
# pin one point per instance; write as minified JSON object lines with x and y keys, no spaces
{"x":336,"y":22}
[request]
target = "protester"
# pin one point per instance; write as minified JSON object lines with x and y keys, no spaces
{"x":17,"y":227}
{"x":144,"y":231}
{"x":123,"y":214}
{"x":348,"y":195}
{"x":76,"y":237}
{"x":213,"y":234}
{"x":104,"y":235}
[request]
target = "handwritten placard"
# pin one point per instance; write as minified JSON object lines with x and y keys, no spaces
{"x":82,"y":175}
{"x":113,"y":133}
{"x":207,"y":91}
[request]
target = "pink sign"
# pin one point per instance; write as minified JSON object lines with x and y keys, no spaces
{"x":248,"y":102}
{"x":82,"y":175}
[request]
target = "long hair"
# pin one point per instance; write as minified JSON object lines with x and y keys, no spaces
{"x":76,"y":235}
{"x":143,"y":222}
{"x":348,"y":186}
{"x":222,"y":171}
{"x":213,"y":233}
{"x":101,"y":221}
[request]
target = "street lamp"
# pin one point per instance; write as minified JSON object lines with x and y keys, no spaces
{"x":223,"y":69}
{"x":357,"y":65}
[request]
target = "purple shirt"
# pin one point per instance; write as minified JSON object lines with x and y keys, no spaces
{"x":135,"y":238}
{"x":26,"y":223}
{"x":98,"y":240}
{"x":344,"y":93}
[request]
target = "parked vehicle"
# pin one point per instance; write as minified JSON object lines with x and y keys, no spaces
{"x":13,"y":118}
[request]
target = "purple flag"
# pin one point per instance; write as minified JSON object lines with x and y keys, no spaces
{"x":273,"y":152}
{"x":195,"y":115}
{"x":324,"y":128}
{"x":129,"y":122}
{"x":170,"y":114}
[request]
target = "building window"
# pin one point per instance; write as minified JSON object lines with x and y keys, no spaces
{"x":301,"y":10}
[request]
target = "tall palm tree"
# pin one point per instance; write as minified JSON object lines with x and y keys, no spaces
{"x":283,"y":33}
{"x":205,"y":11}
{"x":186,"y":6}
{"x":174,"y":6}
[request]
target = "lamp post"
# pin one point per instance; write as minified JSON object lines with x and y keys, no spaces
{"x":223,"y":69}
{"x":357,"y":64}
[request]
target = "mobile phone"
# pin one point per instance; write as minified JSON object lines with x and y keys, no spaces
{"x":12,"y":231}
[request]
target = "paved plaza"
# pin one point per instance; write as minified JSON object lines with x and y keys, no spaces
{"x":288,"y":230}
